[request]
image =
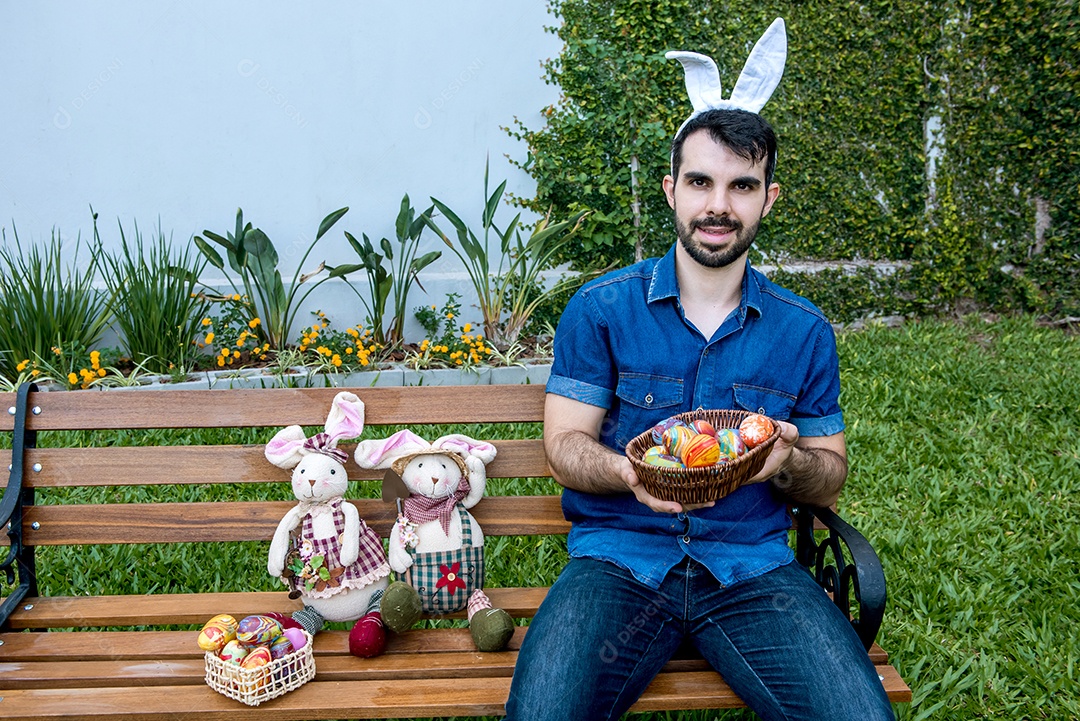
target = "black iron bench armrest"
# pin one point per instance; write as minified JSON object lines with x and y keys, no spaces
{"x":861,"y":579}
{"x":11,"y":512}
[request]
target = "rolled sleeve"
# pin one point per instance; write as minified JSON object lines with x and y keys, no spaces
{"x":817,"y":411}
{"x":580,"y":391}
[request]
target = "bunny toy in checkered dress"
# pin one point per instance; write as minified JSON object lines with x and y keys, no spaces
{"x":322,"y":549}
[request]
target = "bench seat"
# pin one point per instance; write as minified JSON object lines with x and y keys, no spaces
{"x":133,"y":655}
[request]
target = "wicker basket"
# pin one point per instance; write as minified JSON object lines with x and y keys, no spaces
{"x":706,"y":483}
{"x":252,"y":686}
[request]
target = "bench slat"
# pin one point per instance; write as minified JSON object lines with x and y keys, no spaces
{"x":323,"y":698}
{"x":254,"y":520}
{"x":196,"y":608}
{"x":159,"y":465}
{"x":279,"y":407}
{"x":25,"y":647}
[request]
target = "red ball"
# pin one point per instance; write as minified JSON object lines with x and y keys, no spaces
{"x":368,"y":637}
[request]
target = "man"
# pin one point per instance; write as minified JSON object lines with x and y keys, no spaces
{"x":696,"y":328}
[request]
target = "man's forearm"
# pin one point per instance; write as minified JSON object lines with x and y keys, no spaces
{"x":584,"y":464}
{"x":812,"y":475}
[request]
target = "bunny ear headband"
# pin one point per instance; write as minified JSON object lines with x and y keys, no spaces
{"x":346,"y":420}
{"x":759,"y":78}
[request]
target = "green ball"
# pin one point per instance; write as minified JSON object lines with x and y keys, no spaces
{"x":401,"y":607}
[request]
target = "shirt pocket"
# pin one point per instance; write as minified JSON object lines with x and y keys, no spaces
{"x":766,"y":401}
{"x":645,"y":400}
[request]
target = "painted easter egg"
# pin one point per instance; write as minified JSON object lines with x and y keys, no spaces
{"x":217,"y":632}
{"x":281,"y":647}
{"x":730,"y":443}
{"x":676,"y":438}
{"x":755,"y":429}
{"x":658,"y":430}
{"x":259,"y":656}
{"x":233,"y":652}
{"x":296,"y":637}
{"x":701,"y":450}
{"x":703,"y":426}
{"x":258,"y":630}
{"x":659,"y":457}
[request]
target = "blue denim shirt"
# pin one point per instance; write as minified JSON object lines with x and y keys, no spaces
{"x":624,"y":344}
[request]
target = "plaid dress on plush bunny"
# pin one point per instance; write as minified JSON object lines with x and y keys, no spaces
{"x":322,"y":575}
{"x":446,"y":579}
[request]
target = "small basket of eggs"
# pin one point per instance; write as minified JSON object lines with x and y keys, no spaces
{"x":702,"y":455}
{"x":255,"y":659}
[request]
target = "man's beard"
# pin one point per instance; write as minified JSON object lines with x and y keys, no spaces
{"x":744,"y":238}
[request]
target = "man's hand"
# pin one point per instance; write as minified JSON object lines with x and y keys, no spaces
{"x":634,"y":483}
{"x":780,"y":453}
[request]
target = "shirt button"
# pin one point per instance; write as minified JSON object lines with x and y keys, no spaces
{"x":686,"y":539}
{"x":648,"y":398}
{"x":761,"y":411}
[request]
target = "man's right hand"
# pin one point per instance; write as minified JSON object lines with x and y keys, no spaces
{"x":626,"y":471}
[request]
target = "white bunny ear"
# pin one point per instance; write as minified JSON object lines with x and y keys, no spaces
{"x":759,"y":78}
{"x":763,"y":69}
{"x":702,"y":79}
{"x":346,"y":419}
{"x":382,"y":453}
{"x":466,"y":447}
{"x":286,"y":448}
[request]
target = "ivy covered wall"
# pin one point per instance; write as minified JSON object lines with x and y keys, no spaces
{"x":942,"y":136}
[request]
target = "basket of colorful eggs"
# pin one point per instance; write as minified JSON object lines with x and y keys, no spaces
{"x":702,"y":455}
{"x":255,"y":659}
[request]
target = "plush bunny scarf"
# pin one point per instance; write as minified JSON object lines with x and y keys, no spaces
{"x":420,"y":509}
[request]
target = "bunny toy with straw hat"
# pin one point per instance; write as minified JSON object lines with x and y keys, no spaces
{"x":436,"y":544}
{"x":322,"y":549}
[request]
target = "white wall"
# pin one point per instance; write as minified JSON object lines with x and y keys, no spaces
{"x":180,"y":112}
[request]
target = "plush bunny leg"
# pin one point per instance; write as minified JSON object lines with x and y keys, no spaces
{"x":368,"y":637}
{"x":401,"y":606}
{"x":491,"y":628}
{"x":310,"y":619}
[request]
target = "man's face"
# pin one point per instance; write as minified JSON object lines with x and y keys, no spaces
{"x":719,"y":200}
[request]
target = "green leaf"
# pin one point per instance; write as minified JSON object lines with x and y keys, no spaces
{"x":328,"y":222}
{"x":211,"y":254}
{"x":493,"y":205}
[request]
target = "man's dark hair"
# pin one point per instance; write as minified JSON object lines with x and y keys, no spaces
{"x":746,"y":134}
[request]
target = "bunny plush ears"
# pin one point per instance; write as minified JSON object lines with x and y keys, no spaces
{"x":396,"y":451}
{"x":346,"y":420}
{"x":759,"y":78}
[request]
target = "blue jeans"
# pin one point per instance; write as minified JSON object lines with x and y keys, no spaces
{"x":600,"y":637}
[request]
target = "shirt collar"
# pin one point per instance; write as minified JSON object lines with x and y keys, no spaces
{"x":664,"y":283}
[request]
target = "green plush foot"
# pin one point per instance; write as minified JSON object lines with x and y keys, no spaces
{"x":491,"y":629}
{"x":400,"y":607}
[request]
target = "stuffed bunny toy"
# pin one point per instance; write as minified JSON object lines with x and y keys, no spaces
{"x":322,"y":549}
{"x":436,"y":544}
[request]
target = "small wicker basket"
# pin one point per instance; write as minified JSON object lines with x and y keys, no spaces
{"x":252,"y":686}
{"x":706,"y":483}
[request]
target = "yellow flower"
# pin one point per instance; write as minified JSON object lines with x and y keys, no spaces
{"x":266,"y":346}
{"x":235,"y":354}
{"x":364,"y":361}
{"x":220,"y":362}
{"x":254,"y":323}
{"x":56,"y":350}
{"x":336,"y":361}
{"x":467,"y":327}
{"x":458,"y":362}
{"x":449,"y":316}
{"x":34,"y":373}
{"x":72,"y":378}
{"x":224,"y":352}
{"x":209,"y":338}
{"x":236,"y":296}
{"x":348,"y":351}
{"x":101,"y":372}
{"x":22,"y":366}
{"x":206,"y":322}
{"x":353,"y":332}
{"x":424,"y":345}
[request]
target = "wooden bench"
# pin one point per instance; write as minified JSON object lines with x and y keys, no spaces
{"x":82,"y":497}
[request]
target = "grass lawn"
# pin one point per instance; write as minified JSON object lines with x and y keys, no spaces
{"x":965,"y":478}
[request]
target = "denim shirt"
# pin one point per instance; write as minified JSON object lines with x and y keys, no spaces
{"x":624,"y":344}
